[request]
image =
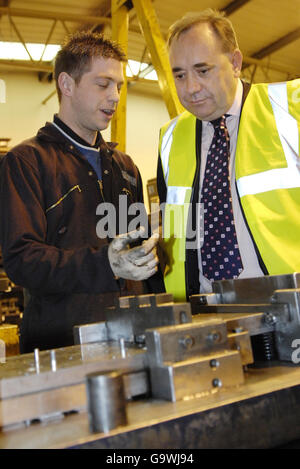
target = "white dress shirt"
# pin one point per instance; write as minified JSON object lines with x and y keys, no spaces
{"x":246,"y":247}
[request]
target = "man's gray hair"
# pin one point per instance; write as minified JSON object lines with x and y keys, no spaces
{"x":221,"y":26}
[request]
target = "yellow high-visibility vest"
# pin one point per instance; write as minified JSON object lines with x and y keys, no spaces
{"x":267,"y":167}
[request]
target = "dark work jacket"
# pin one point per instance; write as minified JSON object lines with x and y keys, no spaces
{"x":191,"y":263}
{"x":48,"y":201}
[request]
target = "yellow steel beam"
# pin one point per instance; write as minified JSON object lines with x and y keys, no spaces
{"x":30,"y":66}
{"x":20,"y":38}
{"x":51,"y":15}
{"x":159,"y":54}
{"x":120,"y":34}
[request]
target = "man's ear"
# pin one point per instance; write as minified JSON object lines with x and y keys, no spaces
{"x":66,"y":84}
{"x":237,"y":62}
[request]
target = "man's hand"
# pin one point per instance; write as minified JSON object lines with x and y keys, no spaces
{"x":137,"y":263}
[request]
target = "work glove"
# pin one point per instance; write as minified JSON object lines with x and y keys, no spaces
{"x":133,"y":263}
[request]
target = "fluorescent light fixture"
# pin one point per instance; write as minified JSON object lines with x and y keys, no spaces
{"x":152,"y":76}
{"x":16,"y":51}
{"x":134,"y":67}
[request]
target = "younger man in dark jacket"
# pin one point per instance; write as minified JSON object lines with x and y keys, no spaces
{"x":52,"y":186}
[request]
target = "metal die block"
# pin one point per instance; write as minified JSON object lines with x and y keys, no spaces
{"x":287,"y":332}
{"x":27,"y":407}
{"x":254,"y":290}
{"x":241,"y":341}
{"x":180,"y":342}
{"x":37,"y":405}
{"x":29,"y":373}
{"x":87,"y":333}
{"x":134,"y":315}
{"x":136,"y":384}
{"x":254,"y":323}
{"x":197,"y":376}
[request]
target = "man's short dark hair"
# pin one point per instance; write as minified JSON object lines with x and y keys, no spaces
{"x":75,"y":56}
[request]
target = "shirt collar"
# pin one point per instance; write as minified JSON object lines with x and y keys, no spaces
{"x":237,"y":103}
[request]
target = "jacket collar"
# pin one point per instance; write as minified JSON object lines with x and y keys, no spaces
{"x":50,"y":133}
{"x":246,"y":89}
{"x":73,"y":136}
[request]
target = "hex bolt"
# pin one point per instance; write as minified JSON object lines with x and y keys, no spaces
{"x":187,"y":342}
{"x":270,"y":319}
{"x":214,"y":363}
{"x":214,"y":337}
{"x":140,"y":339}
{"x":202,"y":300}
{"x":217,"y":383}
{"x":183,"y":318}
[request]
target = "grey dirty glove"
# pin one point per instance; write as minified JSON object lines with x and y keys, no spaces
{"x":137,"y":263}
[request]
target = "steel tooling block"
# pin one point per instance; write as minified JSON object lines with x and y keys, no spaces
{"x":25,"y":374}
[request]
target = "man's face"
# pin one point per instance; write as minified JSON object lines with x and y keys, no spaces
{"x":205,"y":77}
{"x":93,"y":100}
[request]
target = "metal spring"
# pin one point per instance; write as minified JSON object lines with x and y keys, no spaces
{"x":264,"y":347}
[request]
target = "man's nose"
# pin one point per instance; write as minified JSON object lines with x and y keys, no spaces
{"x":114,"y":95}
{"x":193,"y":84}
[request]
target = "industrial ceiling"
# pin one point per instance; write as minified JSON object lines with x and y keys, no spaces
{"x":268,"y":30}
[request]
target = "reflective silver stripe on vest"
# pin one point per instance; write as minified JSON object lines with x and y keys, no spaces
{"x":166,"y":144}
{"x":176,"y":195}
{"x":281,"y":178}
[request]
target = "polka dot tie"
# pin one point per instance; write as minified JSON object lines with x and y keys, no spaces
{"x":220,"y":252}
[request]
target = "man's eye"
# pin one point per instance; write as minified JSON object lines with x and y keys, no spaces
{"x":203,"y":71}
{"x":180,"y":76}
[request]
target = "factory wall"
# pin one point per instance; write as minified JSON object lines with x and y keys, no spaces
{"x":23,"y":114}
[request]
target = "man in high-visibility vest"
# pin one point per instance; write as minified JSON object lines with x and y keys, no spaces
{"x":229,"y":169}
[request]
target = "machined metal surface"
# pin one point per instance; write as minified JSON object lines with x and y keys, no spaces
{"x":133,"y":315}
{"x":240,"y":340}
{"x":193,"y":377}
{"x":261,"y":413}
{"x":30,"y":388}
{"x":161,"y":352}
{"x":261,"y":305}
{"x":287,"y":332}
{"x":254,"y":290}
{"x":178,"y":343}
{"x":190,"y":359}
{"x":19,"y":374}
